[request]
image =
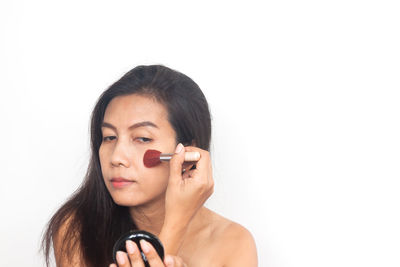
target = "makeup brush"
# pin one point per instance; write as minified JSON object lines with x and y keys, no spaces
{"x":154,"y":157}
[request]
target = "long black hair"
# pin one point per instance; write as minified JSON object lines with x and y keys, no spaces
{"x":95,"y":222}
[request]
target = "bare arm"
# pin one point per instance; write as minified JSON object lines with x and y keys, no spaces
{"x":172,"y":236}
{"x":186,"y":193}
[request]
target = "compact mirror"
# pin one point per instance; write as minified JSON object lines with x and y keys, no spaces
{"x":135,"y":236}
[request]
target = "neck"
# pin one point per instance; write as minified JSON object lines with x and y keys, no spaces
{"x":149,"y":216}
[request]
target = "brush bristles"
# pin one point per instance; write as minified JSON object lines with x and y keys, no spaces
{"x":151,"y":158}
{"x":154,"y":157}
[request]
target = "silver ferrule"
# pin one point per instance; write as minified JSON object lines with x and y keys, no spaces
{"x":166,"y":156}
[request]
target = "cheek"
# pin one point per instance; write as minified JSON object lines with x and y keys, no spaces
{"x":103,"y":153}
{"x":101,"y":158}
{"x":154,"y":181}
{"x":156,"y":176}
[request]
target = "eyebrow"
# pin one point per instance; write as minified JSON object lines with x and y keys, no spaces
{"x":133,"y":126}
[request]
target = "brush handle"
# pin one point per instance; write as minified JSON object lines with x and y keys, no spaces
{"x":189,"y":156}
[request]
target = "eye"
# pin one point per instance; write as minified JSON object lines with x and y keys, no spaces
{"x":108,"y":138}
{"x":144,"y":139}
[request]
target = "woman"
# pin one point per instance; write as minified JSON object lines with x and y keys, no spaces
{"x":150,"y":107}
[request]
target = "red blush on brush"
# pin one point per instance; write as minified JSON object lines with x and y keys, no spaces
{"x":151,"y":158}
{"x":154,"y":157}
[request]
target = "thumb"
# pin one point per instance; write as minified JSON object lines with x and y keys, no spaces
{"x":176,"y":162}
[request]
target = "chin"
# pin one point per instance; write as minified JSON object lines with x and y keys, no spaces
{"x":125,"y":201}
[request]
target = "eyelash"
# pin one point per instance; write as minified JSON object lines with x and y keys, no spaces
{"x":145,"y":139}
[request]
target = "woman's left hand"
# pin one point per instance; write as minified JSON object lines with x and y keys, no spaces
{"x":134,"y":259}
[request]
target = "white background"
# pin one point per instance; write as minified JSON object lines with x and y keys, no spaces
{"x":304,"y":97}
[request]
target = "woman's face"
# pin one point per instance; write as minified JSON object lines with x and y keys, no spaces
{"x":131,"y":125}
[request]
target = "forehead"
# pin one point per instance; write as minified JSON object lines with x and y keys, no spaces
{"x":122,"y":111}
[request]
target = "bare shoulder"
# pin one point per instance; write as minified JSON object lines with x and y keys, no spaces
{"x":234,"y":241}
{"x":66,"y":244}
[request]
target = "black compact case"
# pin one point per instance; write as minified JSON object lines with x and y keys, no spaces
{"x":135,"y":236}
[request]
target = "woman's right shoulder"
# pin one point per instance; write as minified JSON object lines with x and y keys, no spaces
{"x":66,"y":242}
{"x":64,"y":225}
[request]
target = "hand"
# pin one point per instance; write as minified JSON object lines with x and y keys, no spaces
{"x":187,"y":192}
{"x":134,"y":259}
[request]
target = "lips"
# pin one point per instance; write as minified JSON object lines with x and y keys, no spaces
{"x":120,"y":179}
{"x":120,"y":182}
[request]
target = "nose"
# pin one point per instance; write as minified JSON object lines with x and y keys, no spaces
{"x":120,"y":155}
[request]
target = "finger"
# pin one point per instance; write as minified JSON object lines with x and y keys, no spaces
{"x":134,"y":254}
{"x":175,"y":164}
{"x":113,"y":265}
{"x":173,"y":261}
{"x":186,"y":174}
{"x":203,"y":167}
{"x":187,"y":165}
{"x":204,"y":163}
{"x":169,"y":261}
{"x":122,"y":259}
{"x":151,"y":254}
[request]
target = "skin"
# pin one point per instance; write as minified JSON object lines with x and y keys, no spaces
{"x":121,"y":154}
{"x":161,"y":199}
